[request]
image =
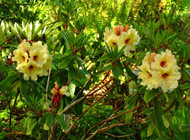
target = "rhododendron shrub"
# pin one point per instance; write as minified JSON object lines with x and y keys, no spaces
{"x":73,"y":75}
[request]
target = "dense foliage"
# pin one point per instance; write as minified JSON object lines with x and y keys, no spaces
{"x":94,"y":69}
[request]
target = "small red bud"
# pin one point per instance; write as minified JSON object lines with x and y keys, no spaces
{"x":56,"y":86}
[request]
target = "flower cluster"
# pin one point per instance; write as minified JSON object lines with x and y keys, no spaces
{"x":122,"y":36}
{"x":57,"y":94}
{"x":32,"y":60}
{"x":160,"y":70}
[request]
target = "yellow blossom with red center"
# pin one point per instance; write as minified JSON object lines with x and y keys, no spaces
{"x":30,"y":70}
{"x":165,"y":60}
{"x":159,"y":70}
{"x":148,"y":77}
{"x":33,"y":60}
{"x":122,"y":36}
{"x":168,"y":79}
{"x":130,"y":39}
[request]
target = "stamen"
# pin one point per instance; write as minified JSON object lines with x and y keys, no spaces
{"x":162,"y":63}
{"x":35,"y":58}
{"x":127,"y":41}
{"x":31,"y":67}
{"x":165,"y":75}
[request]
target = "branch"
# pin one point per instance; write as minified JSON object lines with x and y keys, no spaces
{"x":102,"y":124}
{"x":104,"y":129}
{"x":11,"y":110}
{"x":121,"y":136}
{"x":85,"y":112}
{"x":79,"y":100}
{"x":49,"y":73}
{"x":47,"y":85}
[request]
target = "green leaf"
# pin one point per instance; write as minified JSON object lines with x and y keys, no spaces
{"x":117,"y":71}
{"x":50,"y":119}
{"x":8,"y":81}
{"x":149,"y":95}
{"x":130,"y":73}
{"x":61,"y":122}
{"x":102,"y":58}
{"x":42,"y":120}
{"x":45,"y":126}
{"x":107,"y":67}
{"x":165,"y":121}
{"x":57,"y":24}
{"x":4,"y":68}
{"x":158,"y":116}
{"x":37,"y":29}
{"x":30,"y":126}
{"x":64,"y":63}
{"x":150,"y":130}
{"x":166,"y":96}
{"x":28,"y":32}
{"x":142,"y":90}
{"x":187,"y":72}
{"x":129,"y":116}
{"x":2,"y":135}
{"x":130,"y":104}
{"x":72,"y":87}
{"x":24,"y":89}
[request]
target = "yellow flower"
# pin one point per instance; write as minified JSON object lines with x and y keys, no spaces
{"x":149,"y":58}
{"x":39,"y":45}
{"x":165,"y":60}
{"x":63,"y":91}
{"x":107,"y":33}
{"x":38,"y":56}
{"x":130,"y":39}
{"x":128,"y":49}
{"x":53,"y":91}
{"x":163,"y":70}
{"x":117,"y":30}
{"x":46,"y":66}
{"x":112,"y":41}
{"x":20,"y":57}
{"x":26,"y":47}
{"x":32,"y":60}
{"x":168,"y":79}
{"x":148,"y":77}
{"x":30,"y":70}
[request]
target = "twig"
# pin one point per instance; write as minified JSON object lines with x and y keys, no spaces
{"x":121,"y":136}
{"x":104,"y":129}
{"x":82,"y":89}
{"x":79,"y":100}
{"x":111,"y":126}
{"x":47,"y":85}
{"x":14,"y":133}
{"x":102,"y":124}
{"x":128,"y":135}
{"x":110,"y":118}
{"x":49,"y":73}
{"x":85,"y":112}
{"x":10,"y":117}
